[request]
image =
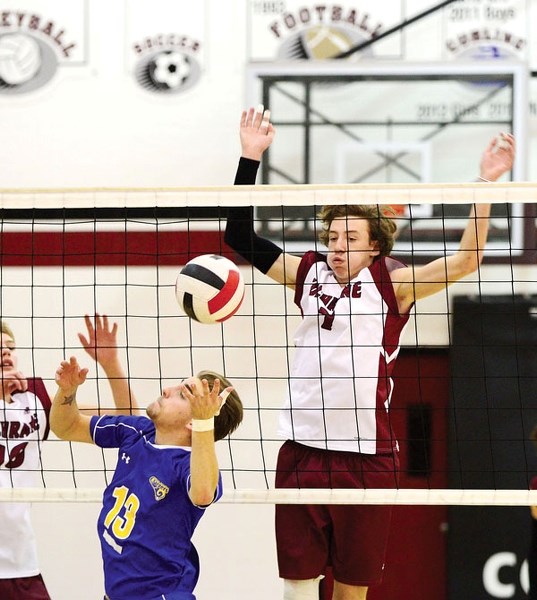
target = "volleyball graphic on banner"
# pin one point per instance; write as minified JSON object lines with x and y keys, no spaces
{"x":20,"y":58}
{"x":210,"y":288}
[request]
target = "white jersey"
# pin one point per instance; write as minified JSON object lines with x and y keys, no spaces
{"x":23,"y":426}
{"x":340,"y":386}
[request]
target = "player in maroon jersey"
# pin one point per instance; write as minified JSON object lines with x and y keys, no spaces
{"x":355,"y":301}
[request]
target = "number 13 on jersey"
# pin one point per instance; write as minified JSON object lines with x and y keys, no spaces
{"x":121,"y":525}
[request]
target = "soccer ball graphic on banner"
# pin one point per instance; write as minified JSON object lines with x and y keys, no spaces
{"x":169,"y":70}
{"x":210,"y":288}
{"x":20,"y":58}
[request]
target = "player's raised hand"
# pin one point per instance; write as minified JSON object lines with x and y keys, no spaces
{"x":69,"y":376}
{"x":256,"y":132}
{"x":101,"y":340}
{"x":498,"y":157}
{"x":205,"y":402}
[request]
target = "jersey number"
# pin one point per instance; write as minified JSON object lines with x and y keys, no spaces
{"x":16,"y":455}
{"x":121,"y":526}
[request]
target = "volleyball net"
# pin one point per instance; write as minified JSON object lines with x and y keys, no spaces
{"x":466,"y":406}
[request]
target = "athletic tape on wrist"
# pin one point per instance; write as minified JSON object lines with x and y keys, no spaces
{"x":201,"y":425}
{"x":208,"y":424}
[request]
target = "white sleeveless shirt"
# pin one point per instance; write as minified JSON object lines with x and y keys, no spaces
{"x":23,"y":426}
{"x":340,"y":386}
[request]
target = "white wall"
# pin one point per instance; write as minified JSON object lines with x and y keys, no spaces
{"x":94,"y":126}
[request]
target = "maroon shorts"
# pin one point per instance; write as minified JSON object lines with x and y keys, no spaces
{"x":350,"y":538}
{"x":24,"y":588}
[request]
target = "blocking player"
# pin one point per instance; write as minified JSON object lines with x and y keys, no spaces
{"x":355,"y":301}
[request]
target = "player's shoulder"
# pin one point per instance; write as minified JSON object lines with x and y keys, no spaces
{"x":127,"y":426}
{"x":312,"y":257}
{"x":394,"y":263}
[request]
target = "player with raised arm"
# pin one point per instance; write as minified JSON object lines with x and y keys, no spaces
{"x":355,"y":301}
{"x":25,"y":425}
{"x":100,"y":343}
{"x":166,"y":475}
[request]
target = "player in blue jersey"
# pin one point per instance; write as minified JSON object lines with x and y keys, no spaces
{"x":24,"y":426}
{"x":166,"y":475}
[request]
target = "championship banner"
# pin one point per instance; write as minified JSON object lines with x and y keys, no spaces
{"x":477,"y":29}
{"x":165,"y":42}
{"x":465,"y":29}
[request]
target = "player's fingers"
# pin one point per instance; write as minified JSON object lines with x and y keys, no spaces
{"x":258,"y":117}
{"x":216,"y":387}
{"x":83,"y":340}
{"x":265,"y":122}
{"x":244,"y":118}
{"x":89,"y":323}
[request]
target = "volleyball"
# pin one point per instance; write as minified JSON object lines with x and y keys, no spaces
{"x":20,"y":58}
{"x":210,"y":288}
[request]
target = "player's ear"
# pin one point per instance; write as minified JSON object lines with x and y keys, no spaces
{"x":189,"y":426}
{"x":375,"y":248}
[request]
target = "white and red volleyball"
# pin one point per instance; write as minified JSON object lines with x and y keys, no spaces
{"x":210,"y":288}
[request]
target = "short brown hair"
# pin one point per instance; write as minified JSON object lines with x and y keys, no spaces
{"x":382,"y":226}
{"x":5,"y":328}
{"x":231,"y":413}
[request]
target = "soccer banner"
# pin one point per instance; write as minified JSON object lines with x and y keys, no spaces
{"x":165,"y":44}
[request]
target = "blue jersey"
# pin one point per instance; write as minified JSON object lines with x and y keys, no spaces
{"x":147,"y":520}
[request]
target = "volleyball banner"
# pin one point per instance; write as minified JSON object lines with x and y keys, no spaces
{"x":35,"y":42}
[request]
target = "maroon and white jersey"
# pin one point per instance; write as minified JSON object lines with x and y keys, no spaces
{"x":340,"y":385}
{"x":23,"y":426}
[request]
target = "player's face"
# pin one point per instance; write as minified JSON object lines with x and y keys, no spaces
{"x":172,"y":408}
{"x":9,"y":353}
{"x":350,"y":248}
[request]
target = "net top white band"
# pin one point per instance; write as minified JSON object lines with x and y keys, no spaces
{"x":459,"y":497}
{"x":270,"y":195}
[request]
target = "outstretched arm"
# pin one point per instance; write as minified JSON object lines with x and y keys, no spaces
{"x":66,"y":421}
{"x":256,"y":134}
{"x":413,"y":283}
{"x":101,"y":345}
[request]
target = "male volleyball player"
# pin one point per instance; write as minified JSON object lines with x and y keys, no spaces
{"x":24,"y":424}
{"x":166,"y":475}
{"x":355,"y":302}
